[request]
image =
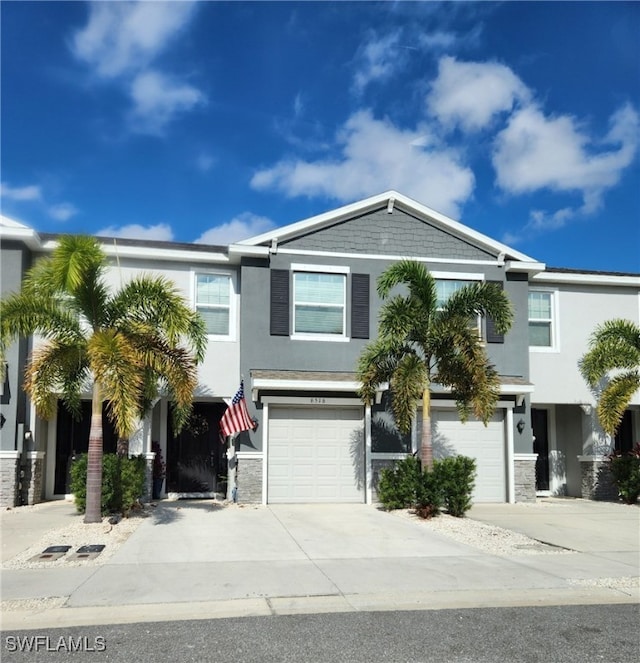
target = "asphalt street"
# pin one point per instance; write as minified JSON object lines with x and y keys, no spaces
{"x":551,"y":634}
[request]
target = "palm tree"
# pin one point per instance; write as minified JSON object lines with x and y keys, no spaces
{"x":128,"y":345}
{"x":420,"y":342}
{"x":614,"y":352}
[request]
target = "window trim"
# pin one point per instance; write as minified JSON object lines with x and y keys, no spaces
{"x":471,"y":278}
{"x":233,"y":303}
{"x":319,"y":269}
{"x":554,"y":322}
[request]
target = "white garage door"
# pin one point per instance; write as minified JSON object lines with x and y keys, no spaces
{"x":473,"y":439}
{"x":316,"y":454}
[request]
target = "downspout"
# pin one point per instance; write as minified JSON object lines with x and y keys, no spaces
{"x":368,"y":473}
{"x":511,"y":479}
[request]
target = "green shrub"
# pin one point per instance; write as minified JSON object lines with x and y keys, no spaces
{"x":429,"y":495}
{"x":398,"y":484}
{"x":122,"y":482}
{"x":455,"y":476}
{"x":625,"y":471}
{"x":449,"y":484}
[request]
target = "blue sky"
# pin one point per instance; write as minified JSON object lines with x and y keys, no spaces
{"x":211,"y":122}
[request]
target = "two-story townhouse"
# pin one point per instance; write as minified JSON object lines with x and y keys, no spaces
{"x":564,"y":308}
{"x":309,"y":306}
{"x":42,"y":450}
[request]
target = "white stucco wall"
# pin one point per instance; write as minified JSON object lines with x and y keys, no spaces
{"x":219,"y":374}
{"x":579,"y":308}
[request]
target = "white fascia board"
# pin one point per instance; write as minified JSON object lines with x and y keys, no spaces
{"x":587,"y":279}
{"x":319,"y":220}
{"x":155,"y":253}
{"x":241,"y":250}
{"x":507,"y":389}
{"x":306,"y":385}
{"x":530,"y":266}
{"x":374,"y":202}
{"x":20,"y":233}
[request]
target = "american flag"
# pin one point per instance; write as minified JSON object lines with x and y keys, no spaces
{"x":236,"y":418}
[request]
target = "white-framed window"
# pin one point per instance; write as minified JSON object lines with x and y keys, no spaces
{"x":319,"y":302}
{"x":447,"y":286}
{"x":214,"y":300}
{"x":542,"y":319}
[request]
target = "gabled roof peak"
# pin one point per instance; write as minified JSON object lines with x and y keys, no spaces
{"x":390,"y":199}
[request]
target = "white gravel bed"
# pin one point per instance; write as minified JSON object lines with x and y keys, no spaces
{"x":76,"y":535}
{"x":625,"y":582}
{"x":488,"y":538}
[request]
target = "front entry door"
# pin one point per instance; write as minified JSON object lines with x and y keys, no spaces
{"x":539,"y":423}
{"x":196,"y":459}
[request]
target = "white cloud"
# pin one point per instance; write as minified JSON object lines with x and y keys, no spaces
{"x":376,"y":156}
{"x":161,"y":232}
{"x":243,"y":226}
{"x":20,"y":193}
{"x":536,"y":152}
{"x":121,"y":37}
{"x":62,"y":211}
{"x":121,"y":40}
{"x":158,"y":99}
{"x":205,"y":162}
{"x":378,"y":60}
{"x":470,"y":94}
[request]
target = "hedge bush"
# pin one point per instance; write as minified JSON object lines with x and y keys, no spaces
{"x":123,"y":482}
{"x":397,"y":485}
{"x":625,"y":471}
{"x":456,"y":478}
{"x":449,"y":484}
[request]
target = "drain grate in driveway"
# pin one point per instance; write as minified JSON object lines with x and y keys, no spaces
{"x":50,"y":554}
{"x":87,"y":552}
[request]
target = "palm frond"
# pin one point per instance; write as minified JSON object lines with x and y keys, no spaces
{"x":56,"y":371}
{"x":415,"y":276}
{"x":116,"y":367}
{"x":408,"y":382}
{"x":482,"y":299}
{"x":615,"y":399}
{"x":77,"y":262}
{"x":375,"y":366}
{"x":22,"y":315}
{"x":157,"y":302}
{"x":401,"y":319}
{"x":614,"y":345}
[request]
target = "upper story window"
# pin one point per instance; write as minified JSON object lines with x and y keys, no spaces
{"x":445,"y":288}
{"x":319,"y":303}
{"x":541,"y":319}
{"x":213,"y":297}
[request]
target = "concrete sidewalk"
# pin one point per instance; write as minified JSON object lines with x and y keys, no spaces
{"x":197,"y":560}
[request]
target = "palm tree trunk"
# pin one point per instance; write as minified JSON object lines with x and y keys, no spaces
{"x":93,"y":511}
{"x":426,"y":442}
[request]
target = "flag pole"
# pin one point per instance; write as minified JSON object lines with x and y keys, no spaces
{"x":232,"y":470}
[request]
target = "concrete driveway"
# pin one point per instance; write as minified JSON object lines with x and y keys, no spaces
{"x":199,"y":560}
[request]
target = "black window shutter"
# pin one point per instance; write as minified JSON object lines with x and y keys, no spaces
{"x":279,"y":302}
{"x":360,"y":306}
{"x":492,"y":334}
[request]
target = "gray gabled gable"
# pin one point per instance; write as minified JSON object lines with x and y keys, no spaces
{"x":364,"y":227}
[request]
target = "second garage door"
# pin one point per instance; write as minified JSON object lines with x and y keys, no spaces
{"x":474,"y":439}
{"x":316,"y":454}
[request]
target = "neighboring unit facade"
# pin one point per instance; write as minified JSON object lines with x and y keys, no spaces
{"x":42,"y":451}
{"x":290,"y":311}
{"x":565,"y":307}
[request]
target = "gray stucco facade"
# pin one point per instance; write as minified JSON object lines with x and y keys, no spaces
{"x":367,"y":244}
